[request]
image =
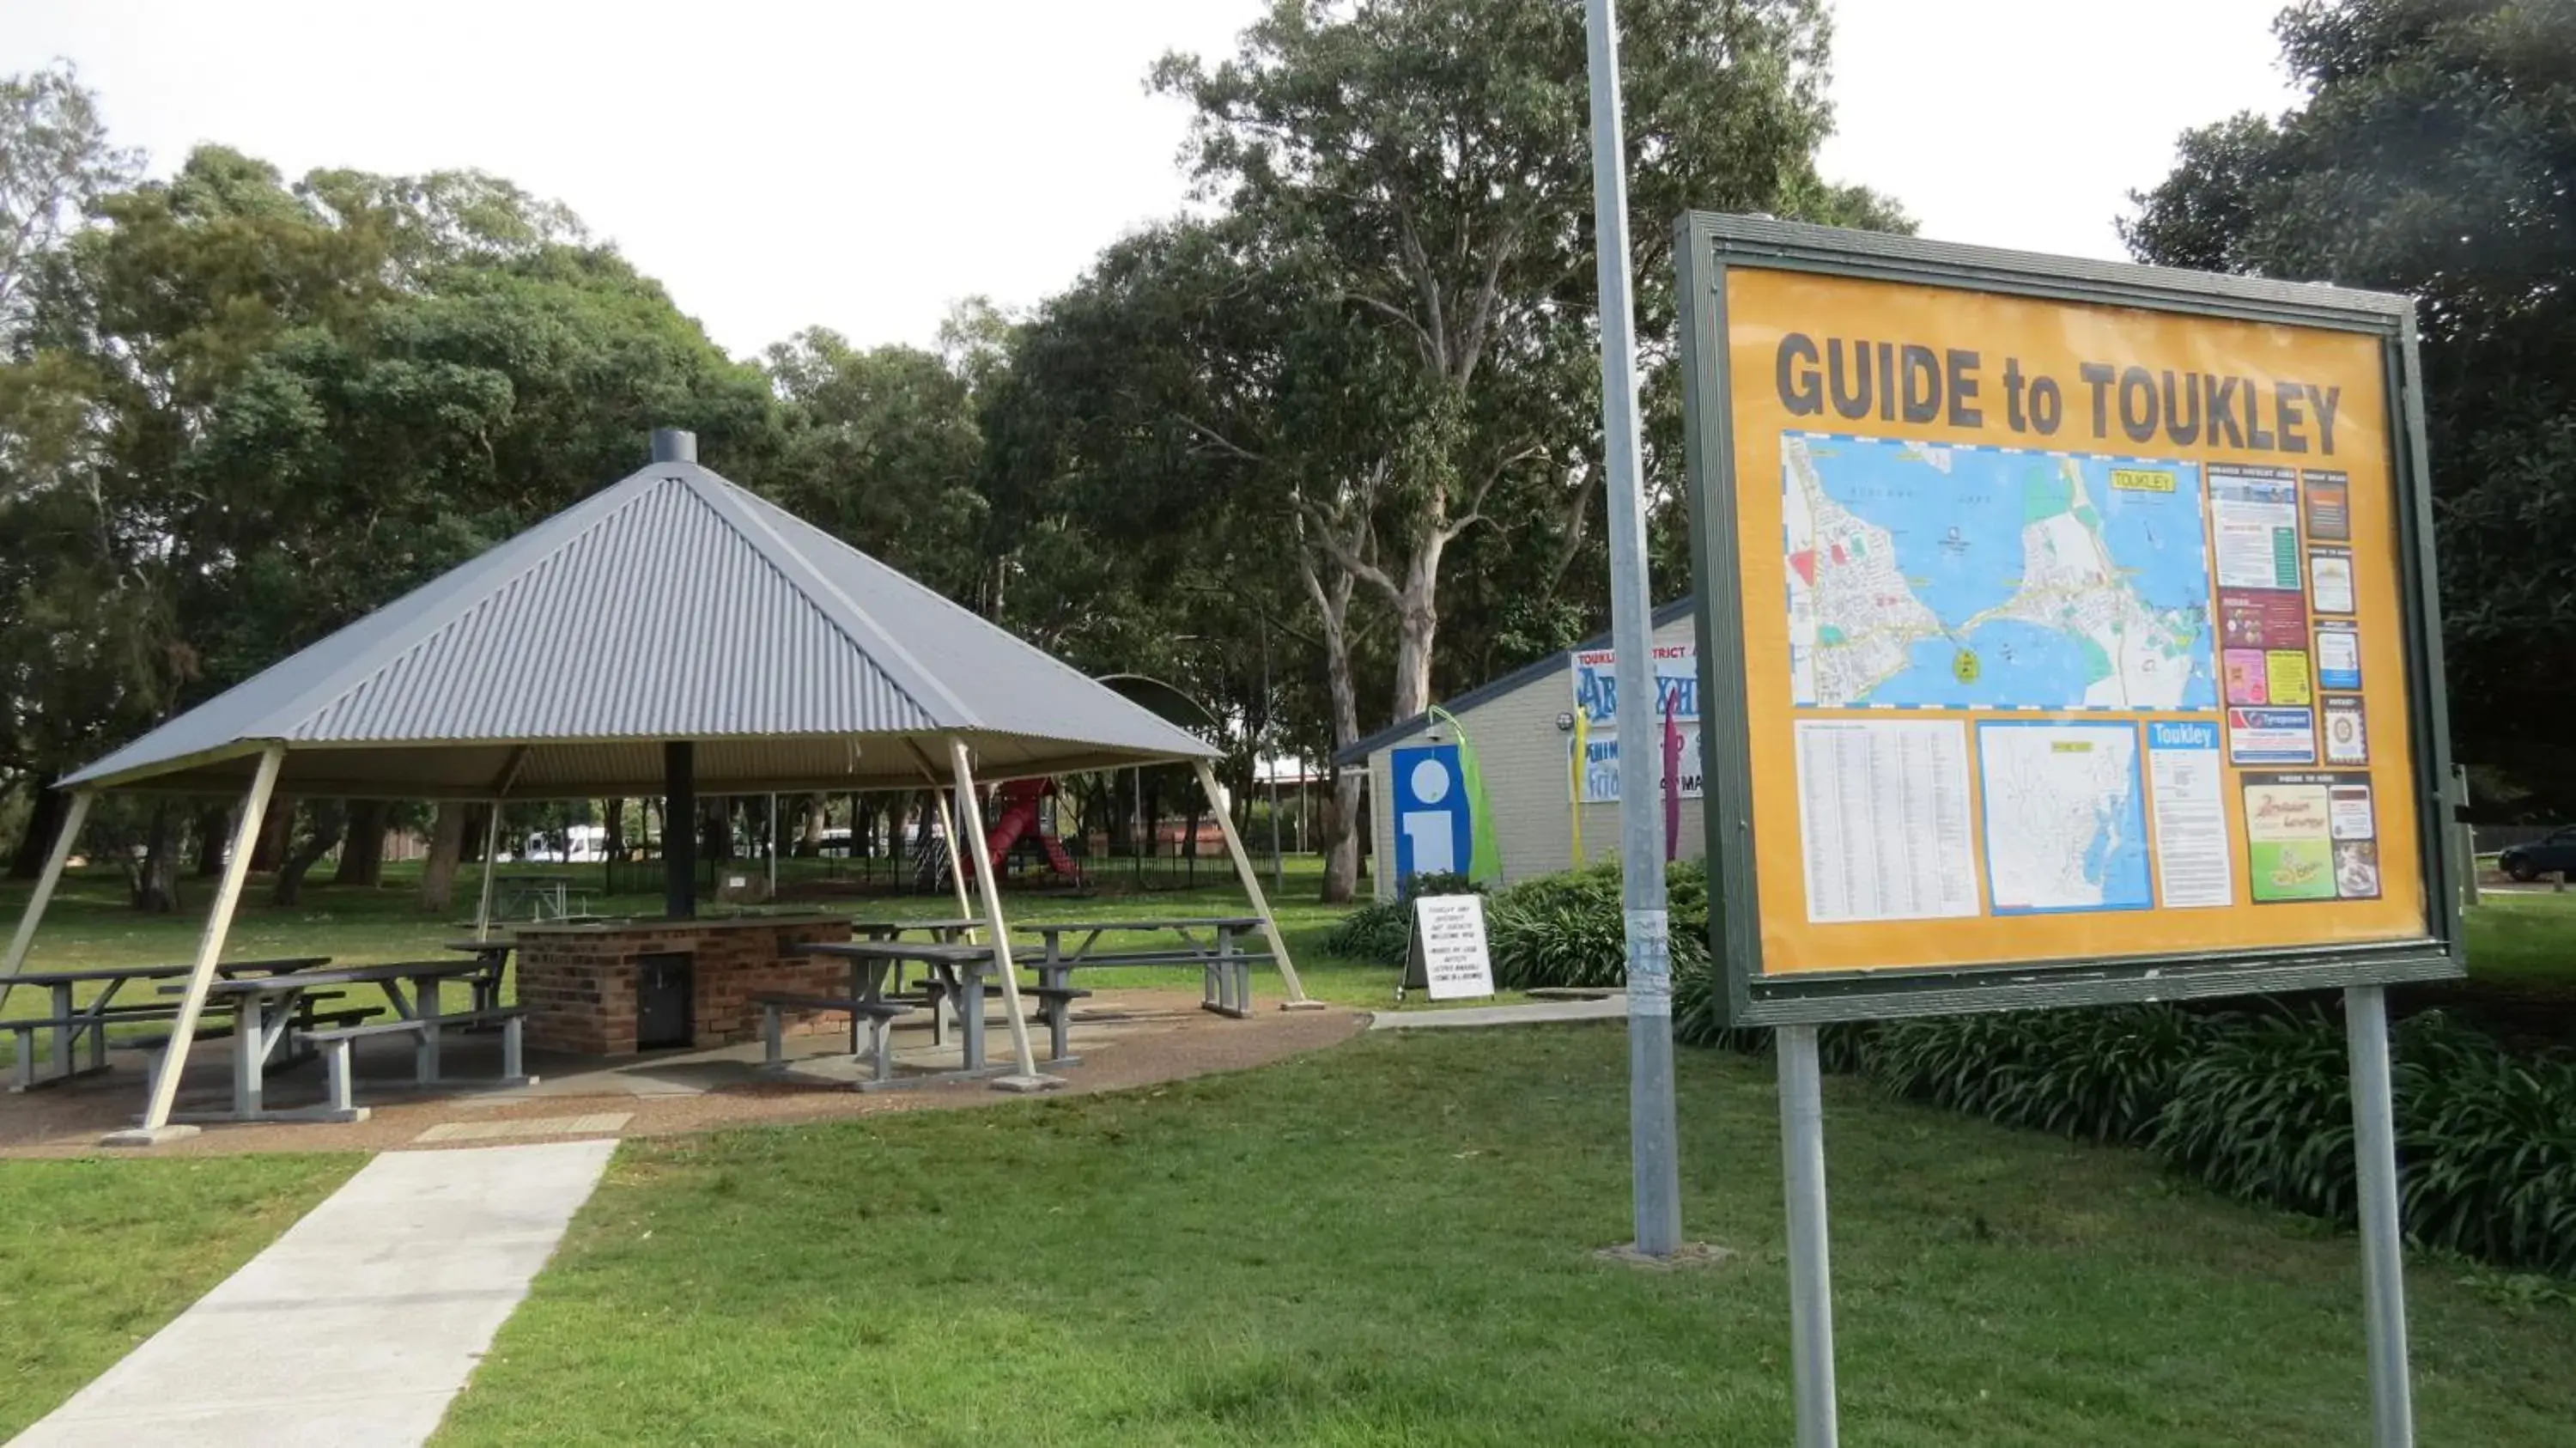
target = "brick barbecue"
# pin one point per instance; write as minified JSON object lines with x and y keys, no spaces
{"x":579,"y":982}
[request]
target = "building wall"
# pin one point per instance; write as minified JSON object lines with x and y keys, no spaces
{"x":1523,"y":756}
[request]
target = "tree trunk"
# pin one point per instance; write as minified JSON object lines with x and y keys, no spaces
{"x":612,"y":827}
{"x":214,"y":831}
{"x":1417,"y":623}
{"x":715,"y":832}
{"x":446,"y":846}
{"x":330,"y":821}
{"x":1341,"y":837}
{"x":269,"y":854}
{"x":155,"y":879}
{"x":809,"y":842}
{"x":362,"y":855}
{"x":44,"y":821}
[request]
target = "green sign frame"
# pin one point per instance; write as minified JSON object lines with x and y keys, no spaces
{"x":1708,"y":246}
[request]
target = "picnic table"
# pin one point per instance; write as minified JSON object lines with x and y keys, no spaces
{"x":537,"y":890}
{"x":68,"y":1023}
{"x":1226,"y":968}
{"x":957,"y":973}
{"x":492,"y":954}
{"x":266,"y":1009}
{"x":948,"y":931}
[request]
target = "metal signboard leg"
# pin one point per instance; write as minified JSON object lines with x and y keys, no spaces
{"x":2374,"y":1144}
{"x":1811,"y":1303}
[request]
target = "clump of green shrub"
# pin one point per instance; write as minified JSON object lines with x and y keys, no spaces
{"x":2254,"y":1104}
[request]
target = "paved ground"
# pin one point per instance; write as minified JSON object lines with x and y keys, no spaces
{"x":1606,"y":1008}
{"x":1124,"y":1038}
{"x":358,"y":1325}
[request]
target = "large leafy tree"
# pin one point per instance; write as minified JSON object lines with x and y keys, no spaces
{"x":2435,"y":153}
{"x":1428,"y":162}
{"x":253,"y":410}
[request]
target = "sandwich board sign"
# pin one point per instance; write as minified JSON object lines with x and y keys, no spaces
{"x":2067,"y":635}
{"x":1446,"y":956}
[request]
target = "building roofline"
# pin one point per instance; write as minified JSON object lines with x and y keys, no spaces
{"x":1495,"y":688}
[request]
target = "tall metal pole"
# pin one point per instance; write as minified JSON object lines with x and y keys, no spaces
{"x":1811,"y":1293}
{"x":1653,"y":1152}
{"x":2383,"y":1282}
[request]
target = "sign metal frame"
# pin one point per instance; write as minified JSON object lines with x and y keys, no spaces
{"x":1708,"y":246}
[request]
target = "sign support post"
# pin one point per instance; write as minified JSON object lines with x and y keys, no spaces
{"x":1655,"y":1168}
{"x":1811,"y":1291}
{"x":2383,"y":1280}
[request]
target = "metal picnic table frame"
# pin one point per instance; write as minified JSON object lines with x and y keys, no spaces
{"x":1227,"y":970}
{"x":960,"y":969}
{"x":93,"y":1019}
{"x":264,"y":1018}
{"x":537,"y":889}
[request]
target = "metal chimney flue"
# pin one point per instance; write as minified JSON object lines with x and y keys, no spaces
{"x":674,"y":445}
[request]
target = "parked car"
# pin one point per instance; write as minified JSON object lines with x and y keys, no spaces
{"x":2552,"y":854}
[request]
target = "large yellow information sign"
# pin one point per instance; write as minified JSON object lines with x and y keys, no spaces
{"x":2066,"y":628}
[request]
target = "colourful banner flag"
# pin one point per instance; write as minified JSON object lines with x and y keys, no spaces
{"x":1485,"y":852}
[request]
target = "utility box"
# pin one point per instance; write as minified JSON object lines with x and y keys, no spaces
{"x":664,"y":988}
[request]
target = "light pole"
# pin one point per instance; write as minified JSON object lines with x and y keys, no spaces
{"x":1655,"y":1171}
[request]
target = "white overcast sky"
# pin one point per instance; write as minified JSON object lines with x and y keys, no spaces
{"x":863,"y":164}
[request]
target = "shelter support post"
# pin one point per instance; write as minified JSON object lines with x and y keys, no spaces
{"x":156,"y":1126}
{"x":971,"y":819}
{"x":491,"y":852}
{"x":1252,"y":886}
{"x":73,"y":818}
{"x":1811,"y":1300}
{"x":948,"y":839}
{"x":680,"y":830}
{"x":2383,"y":1281}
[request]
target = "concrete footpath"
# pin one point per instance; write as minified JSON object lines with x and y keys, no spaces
{"x":1607,"y":1008}
{"x":357,"y":1326}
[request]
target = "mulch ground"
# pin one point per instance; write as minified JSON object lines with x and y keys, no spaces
{"x":1161,"y":1036}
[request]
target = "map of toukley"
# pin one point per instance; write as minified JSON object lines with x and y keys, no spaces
{"x":1928,"y":576}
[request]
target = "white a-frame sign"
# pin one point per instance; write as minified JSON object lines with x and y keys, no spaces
{"x":1446,"y":956}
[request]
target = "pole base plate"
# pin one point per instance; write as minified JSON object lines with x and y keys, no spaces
{"x":148,"y":1135}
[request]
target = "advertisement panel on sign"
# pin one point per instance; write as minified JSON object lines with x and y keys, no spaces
{"x":2027,"y":582}
{"x":1596,"y":696}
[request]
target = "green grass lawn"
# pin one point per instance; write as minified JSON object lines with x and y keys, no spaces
{"x":1391,"y":1243}
{"x":96,"y":1256}
{"x":2524,"y":941}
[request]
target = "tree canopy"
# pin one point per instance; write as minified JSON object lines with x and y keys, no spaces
{"x":2435,"y":154}
{"x":1315,"y":452}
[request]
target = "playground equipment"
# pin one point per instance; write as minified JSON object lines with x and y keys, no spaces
{"x":1020,"y":812}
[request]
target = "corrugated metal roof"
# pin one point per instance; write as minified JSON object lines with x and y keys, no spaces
{"x":671,"y":605}
{"x":1555,"y":663}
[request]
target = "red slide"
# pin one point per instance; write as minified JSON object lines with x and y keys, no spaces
{"x":1017,"y":814}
